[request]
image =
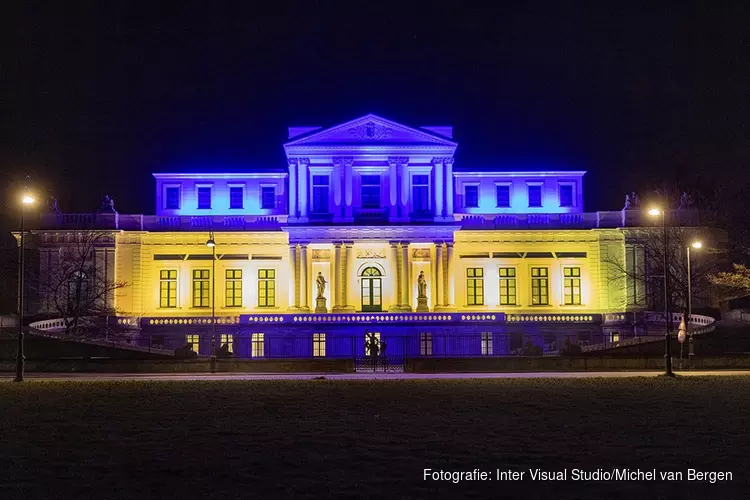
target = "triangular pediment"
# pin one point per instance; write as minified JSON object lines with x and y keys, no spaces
{"x":371,"y":129}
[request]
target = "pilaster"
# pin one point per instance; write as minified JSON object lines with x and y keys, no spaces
{"x":293,"y":282}
{"x":304,"y":289}
{"x":347,"y":163}
{"x":293,"y":211}
{"x":347,"y":263}
{"x":304,"y":192}
{"x":439,"y":278}
{"x":336,"y":285}
{"x":406,"y":278}
{"x":449,"y":187}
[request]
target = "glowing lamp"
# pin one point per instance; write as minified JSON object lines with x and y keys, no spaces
{"x":27,"y":199}
{"x":210,"y":243}
{"x":697,"y":244}
{"x":654,"y":211}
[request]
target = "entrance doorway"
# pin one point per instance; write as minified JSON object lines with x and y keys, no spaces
{"x":372,"y":290}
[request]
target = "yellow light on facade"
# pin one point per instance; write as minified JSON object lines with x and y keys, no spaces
{"x":697,"y":244}
{"x":654,"y":211}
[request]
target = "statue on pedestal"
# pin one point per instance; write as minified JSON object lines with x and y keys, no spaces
{"x":320,"y":300}
{"x":422,"y":293}
{"x":52,"y":206}
{"x":107,"y":205}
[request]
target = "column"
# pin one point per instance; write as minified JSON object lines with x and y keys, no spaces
{"x":406,"y":278}
{"x":336,"y":285}
{"x":303,"y":286}
{"x":293,"y":188}
{"x":293,"y":276}
{"x":449,"y":187}
{"x":395,"y":271}
{"x":450,"y":295}
{"x":395,"y":209}
{"x":304,"y":192}
{"x":348,"y":265}
{"x":338,"y":190}
{"x":439,"y":191}
{"x":347,"y":179}
{"x":403,"y":194}
{"x":439,"y":297}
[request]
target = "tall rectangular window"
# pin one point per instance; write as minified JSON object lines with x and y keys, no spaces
{"x":267,"y":197}
{"x":535,"y":195}
{"x":233,"y":287}
{"x":425,"y":344}
{"x":503,"y":196}
{"x":201,"y":287}
{"x":486,"y":343}
{"x":236,"y":195}
{"x":475,"y":286}
{"x":372,"y":343}
{"x":539,"y":286}
{"x":566,"y":195}
{"x":227,"y":340}
{"x":572,"y":286}
{"x":266,"y":288}
{"x":319,"y":345}
{"x":507,"y":286}
{"x":320,"y":194}
{"x":420,"y":190}
{"x":257,"y":342}
{"x":370,"y":191}
{"x":204,"y":198}
{"x":168,"y":288}
{"x":471,"y":196}
{"x":172,"y":198}
{"x":192,"y":341}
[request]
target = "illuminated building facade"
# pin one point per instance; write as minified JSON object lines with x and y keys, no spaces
{"x":366,"y":206}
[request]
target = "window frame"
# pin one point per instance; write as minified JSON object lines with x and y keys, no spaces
{"x":319,"y":345}
{"x":507,"y":282}
{"x":198,"y":188}
{"x":486,"y":343}
{"x":233,"y":280}
{"x":263,"y":284}
{"x":327,"y":198}
{"x":509,"y":187}
{"x":426,"y":187}
{"x":474,"y":185}
{"x":572,"y":186}
{"x":363,"y":186}
{"x":193,"y":339}
{"x":205,"y":286}
{"x":474,"y":286}
{"x":171,"y":290}
{"x":425,"y":344}
{"x":167,"y":187}
{"x":543,"y":279}
{"x":273,"y":200}
{"x":257,"y":345}
{"x":241,"y":187}
{"x":536,"y":185}
{"x":575,"y":280}
{"x":227,"y":338}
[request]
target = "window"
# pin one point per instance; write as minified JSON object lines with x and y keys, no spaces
{"x":78,"y":290}
{"x":233,"y":287}
{"x":370,"y":191}
{"x":201,"y":287}
{"x":539,"y":286}
{"x":475,"y":286}
{"x":425,"y":344}
{"x":572,"y":286}
{"x":266,"y":288}
{"x":566,"y":195}
{"x":507,"y":286}
{"x":236,"y":196}
{"x":204,"y":198}
{"x":172,"y":198}
{"x":471,"y":196}
{"x":192,"y":342}
{"x":372,"y":343}
{"x":320,"y":194}
{"x":319,"y":345}
{"x":535,"y":196}
{"x":258,"y":345}
{"x":168,"y":288}
{"x":227,"y":340}
{"x":420,"y":189}
{"x":486,"y":343}
{"x":267,"y":197}
{"x":503,"y":196}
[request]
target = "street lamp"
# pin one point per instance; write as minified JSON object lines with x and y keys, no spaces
{"x":211,"y":243}
{"x":26,"y":200}
{"x":697,"y":245}
{"x":655,"y":212}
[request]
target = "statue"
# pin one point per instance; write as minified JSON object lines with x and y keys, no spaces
{"x":635,"y":202}
{"x":52,"y":207}
{"x":320,"y":300}
{"x":422,"y":285}
{"x":686,"y":201}
{"x":107,"y":205}
{"x":321,"y":282}
{"x":628,"y":202}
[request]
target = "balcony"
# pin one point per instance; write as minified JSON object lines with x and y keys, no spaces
{"x":138,"y":222}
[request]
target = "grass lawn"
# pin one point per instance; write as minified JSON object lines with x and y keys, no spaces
{"x":324,"y":439}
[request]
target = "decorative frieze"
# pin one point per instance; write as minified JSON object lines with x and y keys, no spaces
{"x":321,"y":254}
{"x":369,"y":253}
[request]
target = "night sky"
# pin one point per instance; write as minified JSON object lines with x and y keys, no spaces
{"x":92,"y":100}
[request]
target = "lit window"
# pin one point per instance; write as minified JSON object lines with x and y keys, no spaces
{"x":425,"y":344}
{"x":78,"y":290}
{"x":539,"y":286}
{"x":227,"y":340}
{"x":572,"y":286}
{"x":258,"y":345}
{"x":319,"y":345}
{"x":566,"y":195}
{"x":233,"y":287}
{"x":471,"y":196}
{"x":192,"y":342}
{"x":370,"y":191}
{"x":168,"y":288}
{"x":204,"y":198}
{"x":486,"y":343}
{"x":172,"y":201}
{"x":320,"y":194}
{"x":372,"y":343}
{"x":475,"y":286}
{"x":535,"y":196}
{"x":503,"y":196}
{"x":236,"y":196}
{"x":267,"y":197}
{"x":507,"y":286}
{"x":201,"y":287}
{"x":266,"y":288}
{"x":420,"y":188}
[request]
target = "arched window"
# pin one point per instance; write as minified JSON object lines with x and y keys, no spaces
{"x":371,"y":271}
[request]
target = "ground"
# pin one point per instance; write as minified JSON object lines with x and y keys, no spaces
{"x":345,"y":439}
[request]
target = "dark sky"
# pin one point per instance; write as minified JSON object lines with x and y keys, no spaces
{"x":94,"y":99}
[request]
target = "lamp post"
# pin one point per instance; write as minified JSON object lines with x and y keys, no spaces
{"x":211,"y":243}
{"x":654,"y":212}
{"x":697,"y":245}
{"x":26,"y":199}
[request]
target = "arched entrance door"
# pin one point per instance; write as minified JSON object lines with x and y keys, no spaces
{"x":372,"y":294}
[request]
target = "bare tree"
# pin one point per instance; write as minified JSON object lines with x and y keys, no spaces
{"x":76,"y":284}
{"x":733,"y":284}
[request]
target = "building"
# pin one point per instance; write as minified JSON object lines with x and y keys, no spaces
{"x":509,"y":259}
